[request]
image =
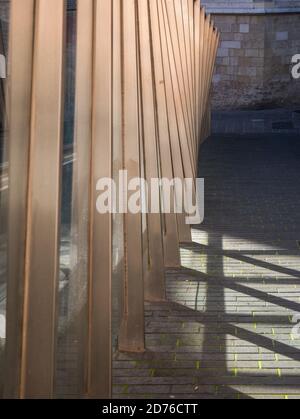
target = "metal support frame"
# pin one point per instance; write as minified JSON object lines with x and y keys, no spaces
{"x":143,"y":75}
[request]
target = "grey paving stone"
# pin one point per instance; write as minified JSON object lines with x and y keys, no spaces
{"x":227,"y":328}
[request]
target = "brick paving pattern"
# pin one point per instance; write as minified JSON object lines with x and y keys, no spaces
{"x":227,"y":329}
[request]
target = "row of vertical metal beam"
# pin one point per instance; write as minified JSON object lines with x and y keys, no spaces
{"x":143,"y":76}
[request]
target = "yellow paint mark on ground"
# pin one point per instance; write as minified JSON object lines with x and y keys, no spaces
{"x":260,"y":366}
{"x":279,"y":372}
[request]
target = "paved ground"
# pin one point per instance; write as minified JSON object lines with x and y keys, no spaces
{"x":227,"y":330}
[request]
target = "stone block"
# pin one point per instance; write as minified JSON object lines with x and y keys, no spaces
{"x":217,"y":78}
{"x":231,"y":44}
{"x":223,"y":52}
{"x":282,"y":36}
{"x":244,"y":28}
{"x":251,"y":52}
{"x":234,"y":61}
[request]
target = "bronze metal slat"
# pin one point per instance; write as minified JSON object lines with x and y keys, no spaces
{"x":100,"y":345}
{"x":131,"y":337}
{"x":19,"y":104}
{"x":171,"y":240}
{"x":43,"y":213}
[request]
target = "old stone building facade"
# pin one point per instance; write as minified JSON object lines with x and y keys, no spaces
{"x":258,"y":41}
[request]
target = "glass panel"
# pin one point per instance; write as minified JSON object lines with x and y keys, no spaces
{"x":4,"y":21}
{"x":73,"y":320}
{"x":72,"y":279}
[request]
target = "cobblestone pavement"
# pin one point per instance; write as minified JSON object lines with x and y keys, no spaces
{"x":228,"y":329}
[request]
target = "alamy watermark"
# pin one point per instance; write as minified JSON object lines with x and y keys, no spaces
{"x":137,"y":196}
{"x":296,"y":66}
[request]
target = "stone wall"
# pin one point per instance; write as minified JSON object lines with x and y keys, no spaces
{"x":249,"y":6}
{"x":282,"y":42}
{"x":253,"y":66}
{"x":258,"y":41}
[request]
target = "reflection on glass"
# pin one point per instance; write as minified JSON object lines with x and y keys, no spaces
{"x":73,"y":274}
{"x":71,"y":365}
{"x":4,"y":20}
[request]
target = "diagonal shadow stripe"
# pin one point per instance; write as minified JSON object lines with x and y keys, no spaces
{"x":258,"y":340}
{"x":228,"y":283}
{"x":211,"y":318}
{"x":253,"y":280}
{"x":237,"y":256}
{"x":262,"y":341}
